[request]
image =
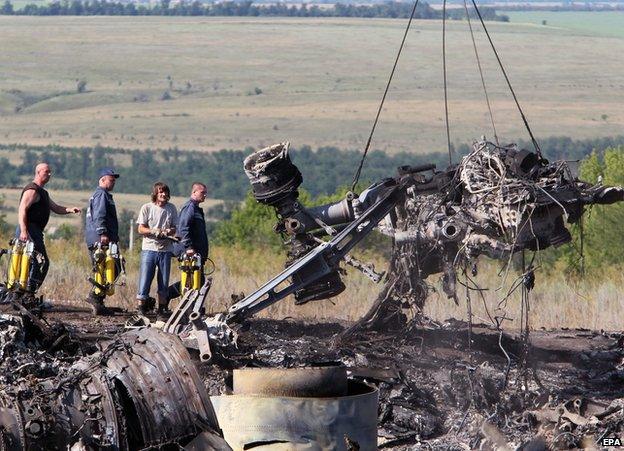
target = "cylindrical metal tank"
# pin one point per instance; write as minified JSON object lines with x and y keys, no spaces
{"x":261,"y":419}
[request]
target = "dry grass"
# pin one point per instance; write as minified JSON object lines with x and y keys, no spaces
{"x":556,"y":301}
{"x":593,"y":303}
{"x":321,"y":81}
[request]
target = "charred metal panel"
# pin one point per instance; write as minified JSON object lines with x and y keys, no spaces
{"x":140,"y":390}
{"x":168,"y":398}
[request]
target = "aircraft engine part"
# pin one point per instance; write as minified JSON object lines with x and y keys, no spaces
{"x":274,"y":180}
{"x":161,"y":393}
{"x":521,"y":162}
{"x":262,"y":421}
{"x":130,"y":395}
{"x":272,"y":175}
{"x":316,"y":381}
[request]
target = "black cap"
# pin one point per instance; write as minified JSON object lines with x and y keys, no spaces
{"x":108,"y":171}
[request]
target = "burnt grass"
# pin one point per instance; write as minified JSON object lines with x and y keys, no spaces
{"x":442,"y":386}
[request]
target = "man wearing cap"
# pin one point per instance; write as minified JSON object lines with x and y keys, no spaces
{"x":33,"y":215}
{"x":101,"y":227}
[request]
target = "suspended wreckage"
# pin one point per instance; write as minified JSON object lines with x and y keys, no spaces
{"x":498,"y":201}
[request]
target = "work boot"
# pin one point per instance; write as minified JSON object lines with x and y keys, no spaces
{"x":163,"y":312}
{"x":97,"y":306}
{"x":145,"y":306}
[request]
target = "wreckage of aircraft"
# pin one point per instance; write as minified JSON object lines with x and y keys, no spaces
{"x":141,"y":389}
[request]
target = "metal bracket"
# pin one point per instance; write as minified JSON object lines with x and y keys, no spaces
{"x":320,"y":261}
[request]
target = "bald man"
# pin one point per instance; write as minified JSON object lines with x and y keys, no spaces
{"x":33,"y":214}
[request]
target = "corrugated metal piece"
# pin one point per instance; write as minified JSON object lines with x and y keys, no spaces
{"x":164,"y":391}
{"x":11,"y":426}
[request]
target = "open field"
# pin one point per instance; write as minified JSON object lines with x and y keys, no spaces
{"x":80,"y":199}
{"x":235,"y":82}
{"x":591,"y":23}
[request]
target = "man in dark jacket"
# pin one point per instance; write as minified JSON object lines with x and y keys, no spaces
{"x":192,"y":224}
{"x":33,"y":215}
{"x":101,"y":227}
{"x":192,"y":231}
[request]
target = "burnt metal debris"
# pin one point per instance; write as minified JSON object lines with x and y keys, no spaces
{"x":434,"y":392}
{"x":137,"y":390}
{"x":498,"y":201}
{"x":140,"y":389}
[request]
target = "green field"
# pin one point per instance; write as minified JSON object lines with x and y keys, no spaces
{"x":236,"y":82}
{"x":591,"y":23}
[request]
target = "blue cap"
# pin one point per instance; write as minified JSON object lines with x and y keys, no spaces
{"x":108,"y":171}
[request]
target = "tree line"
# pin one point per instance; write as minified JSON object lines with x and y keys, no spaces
{"x":390,"y":9}
{"x":324,"y":169}
{"x":222,"y":171}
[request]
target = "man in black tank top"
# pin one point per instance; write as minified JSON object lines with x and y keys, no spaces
{"x":33,"y":215}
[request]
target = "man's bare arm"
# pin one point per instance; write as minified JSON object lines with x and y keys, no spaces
{"x":28,"y":198}
{"x":60,"y":210}
{"x":144,"y":230}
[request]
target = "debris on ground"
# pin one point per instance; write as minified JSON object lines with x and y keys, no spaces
{"x":435,"y":391}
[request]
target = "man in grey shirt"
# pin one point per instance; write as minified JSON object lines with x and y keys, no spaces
{"x":157,"y":223}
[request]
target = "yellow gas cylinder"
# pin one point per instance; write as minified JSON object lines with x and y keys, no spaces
{"x":197,"y":270}
{"x":27,"y":255}
{"x":185,"y":272}
{"x":112,"y":255}
{"x":99,"y":269}
{"x":15,"y":263}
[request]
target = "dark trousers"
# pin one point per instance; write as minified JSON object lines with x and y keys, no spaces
{"x":39,"y":268}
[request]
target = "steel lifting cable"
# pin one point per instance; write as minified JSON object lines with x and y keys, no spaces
{"x":356,"y":177}
{"x":446,"y":110}
{"x":513,"y":93}
{"x":487,"y":98}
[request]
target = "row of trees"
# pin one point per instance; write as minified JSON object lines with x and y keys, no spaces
{"x":77,"y":168}
{"x":230,"y":8}
{"x":535,"y":6}
{"x":323,"y":170}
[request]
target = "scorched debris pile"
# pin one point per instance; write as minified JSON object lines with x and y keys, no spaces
{"x":117,"y":391}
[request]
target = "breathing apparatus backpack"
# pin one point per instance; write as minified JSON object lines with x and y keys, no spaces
{"x":108,"y":266}
{"x":191,"y":269}
{"x":22,"y":259}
